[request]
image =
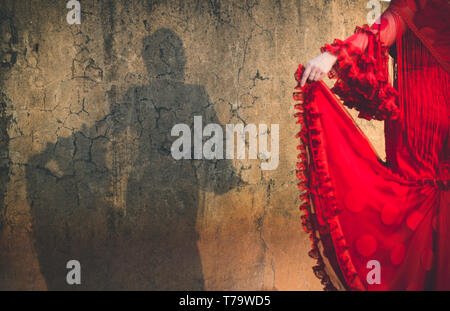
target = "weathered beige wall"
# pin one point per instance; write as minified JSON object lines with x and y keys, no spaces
{"x":86,"y":113}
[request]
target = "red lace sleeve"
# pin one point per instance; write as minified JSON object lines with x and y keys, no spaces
{"x":362,"y":70}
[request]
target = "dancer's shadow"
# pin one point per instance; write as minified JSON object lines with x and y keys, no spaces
{"x":113,"y":197}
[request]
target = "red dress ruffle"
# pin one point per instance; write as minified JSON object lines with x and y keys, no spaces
{"x":362,"y":77}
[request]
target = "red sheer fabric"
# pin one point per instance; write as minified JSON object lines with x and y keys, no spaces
{"x":357,"y":206}
{"x":428,"y":20}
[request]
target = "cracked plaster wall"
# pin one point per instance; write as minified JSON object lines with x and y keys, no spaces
{"x":86,"y":112}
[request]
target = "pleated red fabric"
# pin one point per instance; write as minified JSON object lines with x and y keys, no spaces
{"x":363,"y":209}
{"x":428,"y":20}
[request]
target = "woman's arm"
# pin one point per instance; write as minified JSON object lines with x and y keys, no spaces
{"x":389,"y":25}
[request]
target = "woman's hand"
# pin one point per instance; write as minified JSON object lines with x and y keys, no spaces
{"x":318,"y":67}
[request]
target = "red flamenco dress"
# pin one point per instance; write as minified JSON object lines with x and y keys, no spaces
{"x":358,"y":209}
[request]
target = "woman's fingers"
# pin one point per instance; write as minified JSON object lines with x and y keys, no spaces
{"x":316,"y":75}
{"x":305,"y":75}
{"x":318,"y":68}
{"x":312,"y":73}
